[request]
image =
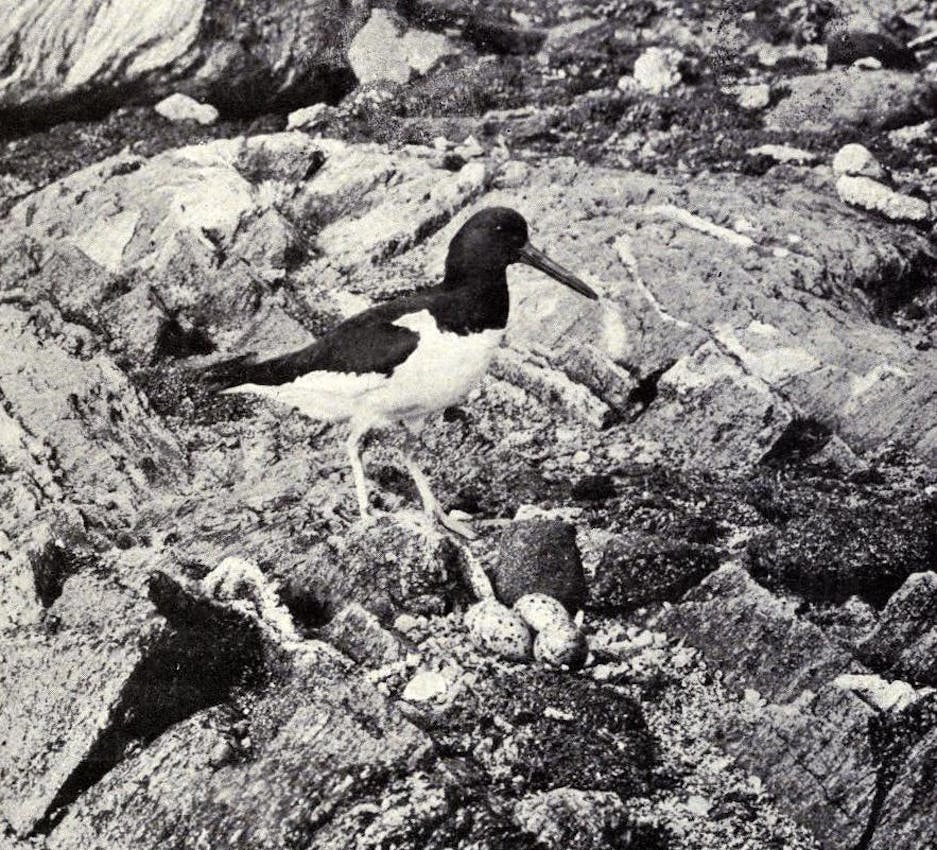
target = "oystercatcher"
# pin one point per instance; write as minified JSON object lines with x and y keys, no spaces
{"x":402,"y":360}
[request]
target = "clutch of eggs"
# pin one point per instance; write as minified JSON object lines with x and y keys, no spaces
{"x":509,"y":632}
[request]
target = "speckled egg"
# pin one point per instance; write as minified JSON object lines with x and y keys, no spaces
{"x":561,"y":643}
{"x":497,"y":629}
{"x":541,"y":611}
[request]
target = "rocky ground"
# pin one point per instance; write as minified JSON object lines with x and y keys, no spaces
{"x":728,"y":461}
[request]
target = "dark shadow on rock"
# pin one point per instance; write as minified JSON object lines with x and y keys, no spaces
{"x":206,"y":651}
{"x":800,"y":440}
{"x":53,"y":565}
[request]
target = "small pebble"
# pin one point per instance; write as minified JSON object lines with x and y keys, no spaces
{"x":308,"y":116}
{"x":698,"y":805}
{"x":425,"y":686}
{"x":783,"y":153}
{"x":221,"y":754}
{"x":657,"y":69}
{"x":541,"y":611}
{"x":754,"y":97}
{"x":913,"y":134}
{"x":470,"y":148}
{"x":856,"y":159}
{"x":181,"y":107}
{"x":406,"y":623}
{"x":628,"y":85}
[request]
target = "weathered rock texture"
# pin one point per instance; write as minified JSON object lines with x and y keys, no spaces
{"x":701,"y":341}
{"x":727,"y":461}
{"x":76,"y":56}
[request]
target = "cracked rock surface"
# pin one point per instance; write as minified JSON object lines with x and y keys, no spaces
{"x":727,"y":462}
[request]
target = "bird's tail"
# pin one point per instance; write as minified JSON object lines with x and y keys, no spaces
{"x":221,"y":376}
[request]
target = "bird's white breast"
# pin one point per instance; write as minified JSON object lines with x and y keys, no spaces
{"x":440,"y":372}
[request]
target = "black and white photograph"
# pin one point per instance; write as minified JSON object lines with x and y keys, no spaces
{"x":468,"y":425}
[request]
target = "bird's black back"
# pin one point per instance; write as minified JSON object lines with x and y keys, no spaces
{"x":370,"y":342}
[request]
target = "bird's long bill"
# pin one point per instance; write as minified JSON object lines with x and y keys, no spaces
{"x":539,"y":260}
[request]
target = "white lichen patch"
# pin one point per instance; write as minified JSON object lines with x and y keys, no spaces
{"x":878,"y":692}
{"x":871,"y":195}
{"x":695,"y":222}
{"x":784,"y":154}
{"x":241,"y":583}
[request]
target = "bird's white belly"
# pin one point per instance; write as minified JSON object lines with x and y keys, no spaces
{"x":439,"y":373}
{"x":326,"y":396}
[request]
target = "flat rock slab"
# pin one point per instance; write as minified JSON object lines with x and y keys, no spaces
{"x":904,"y":643}
{"x":756,"y":638}
{"x":103,"y":670}
{"x":850,"y":97}
{"x":906,"y":818}
{"x":307,"y":751}
{"x":59,"y":691}
{"x":817,"y":755}
{"x":828,"y":551}
{"x":809,"y":740}
{"x":79,"y":429}
{"x":640,"y":569}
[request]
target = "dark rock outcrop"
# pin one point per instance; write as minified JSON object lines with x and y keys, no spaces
{"x":81,"y":59}
{"x":539,"y":556}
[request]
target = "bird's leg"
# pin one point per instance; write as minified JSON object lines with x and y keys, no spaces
{"x":357,"y":468}
{"x":430,"y":504}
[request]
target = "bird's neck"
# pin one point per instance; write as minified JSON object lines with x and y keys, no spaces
{"x":476,"y":305}
{"x":476,"y":276}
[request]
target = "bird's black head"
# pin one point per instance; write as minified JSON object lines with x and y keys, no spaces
{"x":489,"y":242}
{"x":486,"y":244}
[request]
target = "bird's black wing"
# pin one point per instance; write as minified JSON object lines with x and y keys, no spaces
{"x":366,"y":343}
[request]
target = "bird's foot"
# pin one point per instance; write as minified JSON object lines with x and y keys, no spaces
{"x":454,"y":525}
{"x":346,"y":516}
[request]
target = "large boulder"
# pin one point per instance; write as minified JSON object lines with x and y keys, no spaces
{"x":77,"y":56}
